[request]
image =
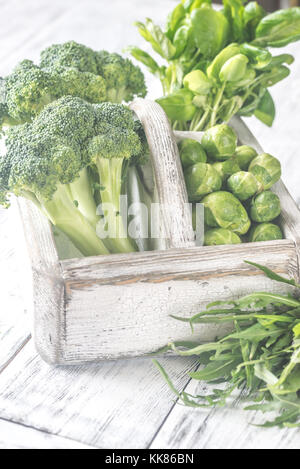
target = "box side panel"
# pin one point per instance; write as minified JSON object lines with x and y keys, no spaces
{"x":127,"y":312}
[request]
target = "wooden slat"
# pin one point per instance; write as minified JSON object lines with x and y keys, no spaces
{"x":15,"y":436}
{"x":121,"y":305}
{"x":112,"y":405}
{"x":176,"y":216}
{"x":221,"y":428}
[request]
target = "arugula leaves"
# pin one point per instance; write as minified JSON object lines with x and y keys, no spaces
{"x":261,"y":355}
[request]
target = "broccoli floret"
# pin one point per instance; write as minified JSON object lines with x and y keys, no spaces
{"x":70,"y":157}
{"x":28,"y":90}
{"x":69,"y":55}
{"x":68,"y":69}
{"x":115,"y":144}
{"x":124,"y":80}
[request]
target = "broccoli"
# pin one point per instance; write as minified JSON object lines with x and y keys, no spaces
{"x":55,"y":160}
{"x":68,"y":69}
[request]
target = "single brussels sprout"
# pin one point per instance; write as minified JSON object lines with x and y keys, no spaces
{"x":219,"y":142}
{"x":197,"y":82}
{"x":234,"y":69}
{"x":245,"y":155}
{"x":265,"y":207}
{"x":201,"y":179}
{"x":265,"y":232}
{"x":191,"y":152}
{"x":243,"y":185}
{"x":219,"y":236}
{"x":266,"y":169}
{"x":224,"y":210}
{"x":226,"y":168}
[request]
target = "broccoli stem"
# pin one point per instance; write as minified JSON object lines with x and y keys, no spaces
{"x":63,"y":213}
{"x":110,"y":173}
{"x":82,"y":193}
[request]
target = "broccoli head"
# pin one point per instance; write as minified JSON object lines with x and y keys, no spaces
{"x":68,"y":69}
{"x":55,"y":160}
{"x":124,"y":80}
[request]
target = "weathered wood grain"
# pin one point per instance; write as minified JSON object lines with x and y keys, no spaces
{"x":47,"y":285}
{"x":112,"y":405}
{"x":221,"y":428}
{"x":15,"y":436}
{"x":176,"y":216}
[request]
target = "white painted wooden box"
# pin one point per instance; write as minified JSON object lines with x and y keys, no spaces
{"x":110,"y":307}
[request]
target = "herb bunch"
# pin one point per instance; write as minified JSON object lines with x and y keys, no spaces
{"x":261,"y":355}
{"x":217,"y":63}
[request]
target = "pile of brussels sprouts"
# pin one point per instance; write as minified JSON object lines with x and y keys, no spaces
{"x":233,"y":183}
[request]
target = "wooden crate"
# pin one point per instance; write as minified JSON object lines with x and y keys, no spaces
{"x":110,"y":307}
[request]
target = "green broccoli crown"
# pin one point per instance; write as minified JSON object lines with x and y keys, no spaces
{"x":115,"y":133}
{"x":69,"y":55}
{"x":67,"y":69}
{"x":64,"y":138}
{"x":28,"y":89}
{"x":124,"y":80}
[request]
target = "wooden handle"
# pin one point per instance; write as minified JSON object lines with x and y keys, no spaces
{"x":170,"y":185}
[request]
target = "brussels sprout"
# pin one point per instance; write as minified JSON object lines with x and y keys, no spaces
{"x":243,"y":185}
{"x":245,"y":155}
{"x":197,"y":82}
{"x":226,"y":168}
{"x":219,"y":142}
{"x":265,"y":207}
{"x":191,"y":152}
{"x":224,"y":210}
{"x":266,"y":169}
{"x":265,"y":232}
{"x":219,"y":236}
{"x":201,"y":179}
{"x":234,"y":69}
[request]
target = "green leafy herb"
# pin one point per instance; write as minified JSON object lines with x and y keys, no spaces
{"x":261,"y":355}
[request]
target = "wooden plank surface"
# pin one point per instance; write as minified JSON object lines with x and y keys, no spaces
{"x":121,"y":404}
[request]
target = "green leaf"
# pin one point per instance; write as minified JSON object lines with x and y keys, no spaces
{"x":296,"y":330}
{"x":215,"y":371}
{"x":174,"y":20}
{"x":253,"y":14}
{"x":279,"y":28}
{"x":234,"y":11}
{"x":265,"y":110}
{"x":178,"y":105}
{"x":158,"y":40}
{"x":273,"y":275}
{"x":210,"y":30}
{"x":254,"y":333}
{"x":145,"y":59}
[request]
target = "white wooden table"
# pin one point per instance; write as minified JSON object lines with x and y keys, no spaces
{"x":123,"y":404}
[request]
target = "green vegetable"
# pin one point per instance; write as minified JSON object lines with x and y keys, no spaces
{"x":227,"y":168}
{"x":219,"y":236}
{"x":191,"y":152}
{"x":279,"y":28}
{"x":266,"y":169}
{"x":265,"y":110}
{"x":201,"y":179}
{"x":234,"y":69}
{"x":210,"y":30}
{"x":68,"y":69}
{"x":224,"y":210}
{"x":265,"y":207}
{"x":219,"y":142}
{"x":245,"y":155}
{"x":179,"y":106}
{"x":260,"y":357}
{"x":222,"y":57}
{"x":265,"y":232}
{"x":72,"y":152}
{"x":243,"y":185}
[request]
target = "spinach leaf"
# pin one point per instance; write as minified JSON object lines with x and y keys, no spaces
{"x":279,"y":28}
